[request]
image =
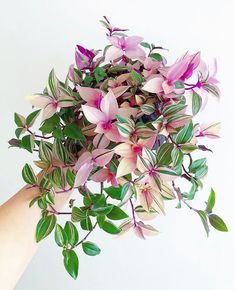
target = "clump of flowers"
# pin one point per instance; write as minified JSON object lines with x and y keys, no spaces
{"x":123,"y":118}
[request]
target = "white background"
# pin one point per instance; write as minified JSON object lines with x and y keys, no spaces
{"x":39,"y":35}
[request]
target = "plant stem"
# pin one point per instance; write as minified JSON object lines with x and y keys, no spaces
{"x":87,"y":235}
{"x":54,"y":211}
{"x":180,"y":197}
{"x":133,"y":211}
{"x":39,"y":136}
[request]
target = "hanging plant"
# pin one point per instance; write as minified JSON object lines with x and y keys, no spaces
{"x":123,"y":118}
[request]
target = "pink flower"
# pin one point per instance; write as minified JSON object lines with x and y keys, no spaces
{"x":93,"y":97}
{"x":127,"y":46}
{"x":83,"y":57}
{"x":129,"y":153}
{"x":103,"y":118}
{"x":85,"y":163}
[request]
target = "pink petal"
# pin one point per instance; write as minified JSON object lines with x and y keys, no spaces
{"x":178,"y":69}
{"x":49,"y":111}
{"x":109,"y":106}
{"x":102,"y":156}
{"x":39,"y":101}
{"x":113,"y":53}
{"x":100,"y":141}
{"x":133,"y":41}
{"x":101,"y":175}
{"x":114,"y":40}
{"x":83,"y":174}
{"x":154,"y":85}
{"x":84,"y":158}
{"x":136,"y":52}
{"x":93,"y":115}
{"x":124,"y":150}
{"x":89,"y":95}
{"x":126,"y":166}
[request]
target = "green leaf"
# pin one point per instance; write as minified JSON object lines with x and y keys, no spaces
{"x":50,"y":124}
{"x":45,"y":151}
{"x":31,"y":118}
{"x":156,"y":56}
{"x":103,"y":210}
{"x":145,"y":44}
{"x":18,"y":132}
{"x":73,"y":131}
{"x":19,"y":120}
{"x":164,"y":154}
{"x":28,"y":174}
{"x":117,"y":214}
{"x":78,"y":215}
{"x":59,"y":152}
{"x":60,"y":236}
{"x":52,"y":84}
{"x":90,"y":249}
{"x":202,"y":171}
{"x":86,"y":224}
{"x":197,"y":164}
{"x":27,"y":143}
{"x":45,"y":227}
{"x":136,"y":77}
{"x":196,"y":103}
{"x":70,"y":177}
{"x":71,"y":262}
{"x":185,"y":134}
{"x":204,"y":221}
{"x":110,"y":228}
{"x":72,"y":233}
{"x":217,"y":223}
{"x":100,"y":74}
{"x":211,"y":201}
{"x":125,"y":189}
{"x":114,"y":192}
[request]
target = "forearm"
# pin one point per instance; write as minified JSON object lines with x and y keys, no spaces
{"x":17,"y":234}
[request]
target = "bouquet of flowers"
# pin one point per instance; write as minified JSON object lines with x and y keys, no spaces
{"x":123,"y":118}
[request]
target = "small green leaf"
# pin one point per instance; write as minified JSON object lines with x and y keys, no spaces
{"x":156,"y":56}
{"x":114,"y":192}
{"x":100,"y":74}
{"x":86,"y":224}
{"x":28,"y":174}
{"x":73,"y":131}
{"x":145,"y":44}
{"x":27,"y":143}
{"x":71,"y":262}
{"x":60,"y":236}
{"x":78,"y":215}
{"x":103,"y":210}
{"x":50,"y":124}
{"x":45,"y":151}
{"x":19,"y":120}
{"x":110,"y":228}
{"x":45,"y":227}
{"x":31,"y":118}
{"x":164,"y":154}
{"x":197,"y":164}
{"x":91,"y":249}
{"x":72,"y":233}
{"x":59,"y":151}
{"x":196,"y":103}
{"x":211,"y":201}
{"x":217,"y":223}
{"x":136,"y":77}
{"x":117,"y":214}
{"x":185,"y":134}
{"x":70,"y":177}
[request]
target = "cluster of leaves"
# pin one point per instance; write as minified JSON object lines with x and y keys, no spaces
{"x":121,"y":119}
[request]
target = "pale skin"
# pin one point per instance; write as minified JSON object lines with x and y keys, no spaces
{"x":17,"y":233}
